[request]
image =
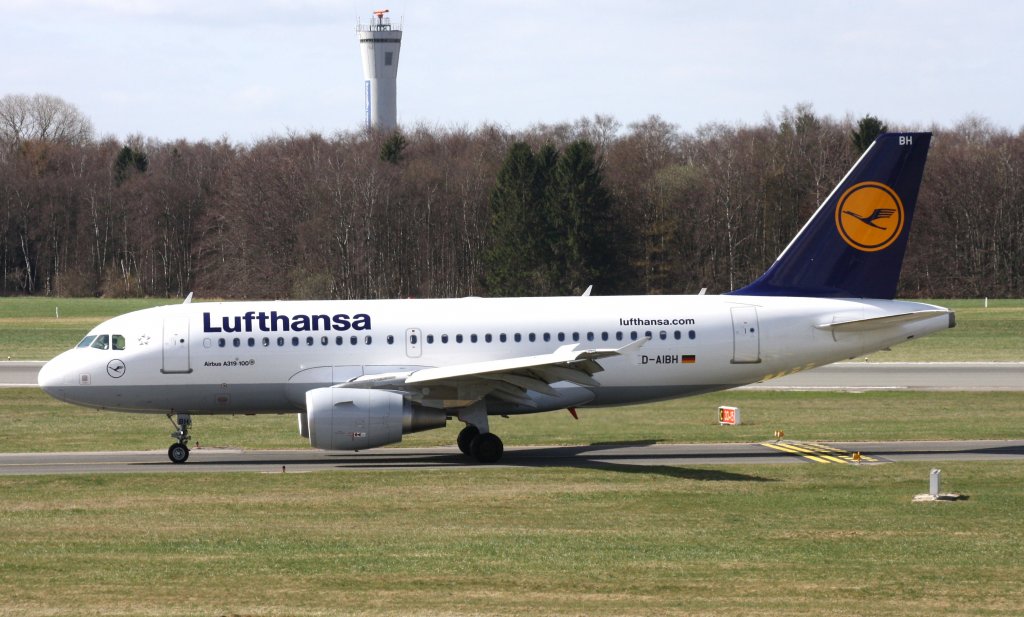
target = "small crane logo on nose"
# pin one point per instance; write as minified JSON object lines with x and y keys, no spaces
{"x":115,"y":368}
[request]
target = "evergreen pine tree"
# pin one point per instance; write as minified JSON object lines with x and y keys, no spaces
{"x":867,"y":130}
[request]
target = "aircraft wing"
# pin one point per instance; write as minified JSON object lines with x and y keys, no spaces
{"x":508,"y":379}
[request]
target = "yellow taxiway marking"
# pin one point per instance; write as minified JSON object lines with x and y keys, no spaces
{"x":818,"y":453}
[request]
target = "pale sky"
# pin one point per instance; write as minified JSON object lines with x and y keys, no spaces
{"x":248,"y":69}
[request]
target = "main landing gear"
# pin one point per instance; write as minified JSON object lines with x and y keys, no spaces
{"x":484,"y":447}
{"x":178,"y":452}
{"x":475,"y":439}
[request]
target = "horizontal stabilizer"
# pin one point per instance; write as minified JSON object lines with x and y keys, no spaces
{"x":875,"y":323}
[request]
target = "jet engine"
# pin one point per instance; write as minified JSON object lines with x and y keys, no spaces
{"x":356,"y":419}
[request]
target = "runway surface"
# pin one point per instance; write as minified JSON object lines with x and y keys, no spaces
{"x":921,"y":376}
{"x":924,"y":376}
{"x":19,"y":374}
{"x":622,"y":457}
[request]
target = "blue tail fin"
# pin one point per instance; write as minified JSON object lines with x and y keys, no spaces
{"x":853,"y":246}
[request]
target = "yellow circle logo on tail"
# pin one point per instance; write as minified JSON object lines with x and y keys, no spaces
{"x":869,"y":216}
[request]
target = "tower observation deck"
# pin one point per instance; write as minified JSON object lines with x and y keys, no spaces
{"x":379,"y":44}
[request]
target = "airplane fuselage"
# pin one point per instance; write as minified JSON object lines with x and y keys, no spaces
{"x":262,"y":357}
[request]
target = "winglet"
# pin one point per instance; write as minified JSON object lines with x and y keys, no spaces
{"x":853,"y":246}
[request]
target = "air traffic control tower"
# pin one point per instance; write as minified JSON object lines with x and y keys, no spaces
{"x":379,"y":44}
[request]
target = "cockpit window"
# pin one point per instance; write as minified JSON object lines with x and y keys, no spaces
{"x":87,"y":341}
{"x":117,"y":341}
{"x":102,"y":342}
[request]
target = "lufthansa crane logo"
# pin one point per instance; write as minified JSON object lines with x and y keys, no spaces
{"x":115,"y":368}
{"x":869,"y":216}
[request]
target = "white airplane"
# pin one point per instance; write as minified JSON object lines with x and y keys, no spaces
{"x":361,"y":373}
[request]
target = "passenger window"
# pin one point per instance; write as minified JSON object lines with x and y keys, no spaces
{"x":604,"y":336}
{"x":663,"y":335}
{"x":354,"y":340}
{"x":649,"y":335}
{"x":487,"y":338}
{"x":561,"y":337}
{"x":221,"y":342}
{"x":532,"y":337}
{"x":444,"y":338}
{"x":338,"y":340}
{"x":324,"y":340}
{"x":472,"y":338}
{"x":678,"y":335}
{"x":632,"y":336}
{"x":518,"y":337}
{"x":102,"y":342}
{"x":590,"y":336}
{"x":87,"y":341}
{"x":575,"y":336}
{"x":266,"y":341}
{"x":458,"y":338}
{"x":368,"y":339}
{"x":117,"y":341}
{"x":252,"y":342}
{"x":618,"y":336}
{"x":502,"y":338}
{"x":693,"y":335}
{"x":237,"y":342}
{"x":547,"y":337}
{"x":295,"y":341}
{"x":430,"y":339}
{"x":391,"y":340}
{"x":413,"y":339}
{"x":280,"y":341}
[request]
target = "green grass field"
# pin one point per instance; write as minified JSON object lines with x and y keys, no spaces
{"x":782,"y":540}
{"x":31,"y":330}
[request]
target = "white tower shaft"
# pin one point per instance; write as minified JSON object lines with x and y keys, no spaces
{"x":380,"y":44}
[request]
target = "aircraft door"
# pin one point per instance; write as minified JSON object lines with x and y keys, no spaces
{"x":176,"y":354}
{"x":413,"y":343}
{"x":746,"y":339}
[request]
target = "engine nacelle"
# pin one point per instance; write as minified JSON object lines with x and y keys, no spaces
{"x":356,"y":419}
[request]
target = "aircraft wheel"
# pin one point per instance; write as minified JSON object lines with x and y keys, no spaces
{"x":465,"y":439}
{"x":487,"y":448}
{"x":178,"y":453}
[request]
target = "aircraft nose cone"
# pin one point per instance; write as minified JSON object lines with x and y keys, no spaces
{"x":51,"y":378}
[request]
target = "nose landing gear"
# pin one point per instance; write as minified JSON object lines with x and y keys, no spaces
{"x":178,"y":452}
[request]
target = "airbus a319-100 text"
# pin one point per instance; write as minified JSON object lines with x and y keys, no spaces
{"x":361,"y":374}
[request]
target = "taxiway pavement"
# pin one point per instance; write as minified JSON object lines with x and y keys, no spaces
{"x":634,"y":457}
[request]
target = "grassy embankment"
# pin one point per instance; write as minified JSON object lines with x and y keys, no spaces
{"x":782,"y":540}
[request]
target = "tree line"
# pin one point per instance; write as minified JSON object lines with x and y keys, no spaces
{"x":443,"y":212}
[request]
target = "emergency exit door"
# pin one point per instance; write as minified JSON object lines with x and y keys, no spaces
{"x":746,"y":336}
{"x":176,"y":356}
{"x":413,"y":343}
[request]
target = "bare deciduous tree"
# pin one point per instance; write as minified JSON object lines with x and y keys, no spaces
{"x":42,"y":117}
